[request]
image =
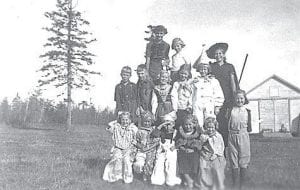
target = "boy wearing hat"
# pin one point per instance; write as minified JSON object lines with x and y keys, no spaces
{"x":125,"y":94}
{"x":157,"y":53}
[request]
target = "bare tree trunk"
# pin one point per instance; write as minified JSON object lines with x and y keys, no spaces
{"x":69,"y":70}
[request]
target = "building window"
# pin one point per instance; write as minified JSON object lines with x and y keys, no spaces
{"x":274,"y":91}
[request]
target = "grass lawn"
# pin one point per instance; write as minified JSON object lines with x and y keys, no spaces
{"x":54,"y":159}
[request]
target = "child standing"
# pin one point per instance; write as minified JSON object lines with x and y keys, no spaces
{"x":166,"y":157}
{"x":238,"y":138}
{"x":207,"y":94}
{"x":188,"y":156}
{"x":126,"y":94}
{"x":147,"y":143}
{"x":145,"y":88}
{"x":178,"y":59}
{"x":157,"y":53}
{"x":161,"y":98}
{"x":212,"y":161}
{"x":123,"y":151}
{"x":181,"y":94}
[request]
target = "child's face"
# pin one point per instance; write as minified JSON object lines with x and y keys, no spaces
{"x":210,"y":128}
{"x":164,"y":79}
{"x":240,"y":99}
{"x":125,"y":76}
{"x":141,"y":74}
{"x":169,"y":126}
{"x":125,"y":120}
{"x":147,"y":122}
{"x":178,"y":47}
{"x":203,"y":70}
{"x":219,"y":55}
{"x":188,"y":126}
{"x":183,"y":75}
{"x":159,"y":35}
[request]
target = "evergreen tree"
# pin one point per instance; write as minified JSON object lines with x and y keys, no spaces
{"x":5,"y":110}
{"x":67,"y":60}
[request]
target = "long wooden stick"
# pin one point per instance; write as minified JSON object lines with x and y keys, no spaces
{"x":245,"y":61}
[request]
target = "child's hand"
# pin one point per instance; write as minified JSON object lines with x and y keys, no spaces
{"x":189,"y":150}
{"x":214,"y":156}
{"x":204,"y":137}
{"x":172,"y":148}
{"x":217,"y":110}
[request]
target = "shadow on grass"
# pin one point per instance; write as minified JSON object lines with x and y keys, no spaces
{"x":97,"y":162}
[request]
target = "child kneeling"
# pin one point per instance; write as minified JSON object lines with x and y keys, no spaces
{"x":147,"y":144}
{"x":123,"y":151}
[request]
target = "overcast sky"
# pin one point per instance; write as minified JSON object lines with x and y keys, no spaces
{"x":268,"y":30}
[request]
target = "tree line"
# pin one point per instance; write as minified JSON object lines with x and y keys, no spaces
{"x":36,"y":111}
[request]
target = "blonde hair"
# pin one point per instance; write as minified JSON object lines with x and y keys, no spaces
{"x":177,"y":41}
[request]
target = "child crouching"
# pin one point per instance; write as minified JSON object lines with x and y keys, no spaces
{"x":147,"y":143}
{"x":123,"y":151}
{"x":212,"y":161}
{"x":166,"y":158}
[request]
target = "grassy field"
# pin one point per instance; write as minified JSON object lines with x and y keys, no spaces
{"x":54,"y":159}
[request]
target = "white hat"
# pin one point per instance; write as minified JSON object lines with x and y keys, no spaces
{"x":170,"y":116}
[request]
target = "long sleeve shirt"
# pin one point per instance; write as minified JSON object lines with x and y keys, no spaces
{"x":181,"y":95}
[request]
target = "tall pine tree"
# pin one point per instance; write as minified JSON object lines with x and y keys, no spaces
{"x":67,"y":60}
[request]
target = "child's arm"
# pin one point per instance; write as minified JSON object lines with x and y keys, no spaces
{"x":154,"y":102}
{"x":174,"y":96}
{"x":111,"y":126}
{"x":249,"y":124}
{"x":217,"y":93}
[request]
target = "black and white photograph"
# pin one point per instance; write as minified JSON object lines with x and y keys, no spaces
{"x":149,"y":94}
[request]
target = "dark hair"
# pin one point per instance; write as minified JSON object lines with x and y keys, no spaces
{"x":160,"y":28}
{"x":244,"y":94}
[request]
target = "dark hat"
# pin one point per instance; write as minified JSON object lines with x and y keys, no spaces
{"x":160,"y":28}
{"x":211,"y":51}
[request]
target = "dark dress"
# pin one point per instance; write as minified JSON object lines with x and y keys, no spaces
{"x":126,"y":98}
{"x":222,"y":74}
{"x":188,"y":163}
{"x":157,"y":51}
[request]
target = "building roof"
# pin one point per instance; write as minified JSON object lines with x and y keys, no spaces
{"x":277,"y":78}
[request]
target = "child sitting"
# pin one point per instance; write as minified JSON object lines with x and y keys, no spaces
{"x":212,"y":161}
{"x":147,"y":143}
{"x":166,"y":157}
{"x":188,"y":156}
{"x":123,"y":151}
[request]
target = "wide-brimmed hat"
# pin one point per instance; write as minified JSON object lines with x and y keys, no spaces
{"x":211,"y":51}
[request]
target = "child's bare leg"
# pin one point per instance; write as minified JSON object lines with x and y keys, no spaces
{"x":188,"y":180}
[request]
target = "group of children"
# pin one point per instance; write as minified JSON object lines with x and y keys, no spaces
{"x":166,"y":130}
